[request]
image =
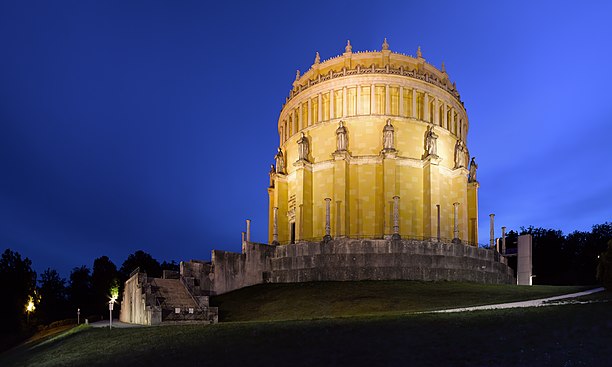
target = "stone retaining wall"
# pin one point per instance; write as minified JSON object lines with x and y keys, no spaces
{"x":347,"y":259}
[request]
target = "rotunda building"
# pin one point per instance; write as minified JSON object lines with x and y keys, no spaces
{"x":373,"y":144}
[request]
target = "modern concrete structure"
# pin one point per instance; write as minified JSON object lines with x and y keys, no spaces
{"x":524,"y":275}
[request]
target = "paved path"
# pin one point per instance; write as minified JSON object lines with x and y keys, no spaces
{"x":532,"y":303}
{"x":116,"y":324}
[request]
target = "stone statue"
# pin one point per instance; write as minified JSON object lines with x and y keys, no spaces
{"x":303,"y":148}
{"x":385,"y":45}
{"x":388,"y":132}
{"x":473,"y":167}
{"x":272,"y":169}
{"x":348,"y":47}
{"x":459,"y":154}
{"x":341,"y":139}
{"x":431,"y":143}
{"x":280,"y":161}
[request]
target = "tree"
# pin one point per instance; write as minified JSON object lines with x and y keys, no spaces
{"x":103,"y":278}
{"x":604,"y":268}
{"x":142,"y":260}
{"x":549,"y":260}
{"x":79,"y":290}
{"x":53,"y":303}
{"x":172,"y":265}
{"x":18,"y":282}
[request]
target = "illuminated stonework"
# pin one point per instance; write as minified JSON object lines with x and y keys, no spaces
{"x":376,"y":125}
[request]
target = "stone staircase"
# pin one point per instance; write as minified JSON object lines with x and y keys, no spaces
{"x":178,"y":305}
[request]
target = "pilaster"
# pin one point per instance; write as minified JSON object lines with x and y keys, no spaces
{"x":280,"y":200}
{"x":387,"y":100}
{"x":415,"y":113}
{"x":431,"y":196}
{"x":271,"y":206}
{"x":390,"y":188}
{"x":303,"y":200}
{"x":341,"y":193}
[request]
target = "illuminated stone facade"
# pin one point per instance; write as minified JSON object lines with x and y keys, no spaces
{"x":367,"y":129}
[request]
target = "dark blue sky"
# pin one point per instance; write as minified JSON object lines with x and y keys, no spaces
{"x":152,"y":125}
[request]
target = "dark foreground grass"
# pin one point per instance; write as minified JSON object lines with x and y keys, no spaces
{"x":569,"y":335}
{"x":299,"y":301}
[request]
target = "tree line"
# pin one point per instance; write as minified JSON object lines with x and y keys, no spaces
{"x":559,"y":259}
{"x":51,"y":298}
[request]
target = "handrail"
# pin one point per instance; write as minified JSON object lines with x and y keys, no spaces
{"x":135,"y":271}
{"x":187,"y":288}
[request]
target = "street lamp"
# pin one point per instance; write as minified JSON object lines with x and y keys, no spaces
{"x":114,"y":291}
{"x":110,"y":311}
{"x":78,"y":316}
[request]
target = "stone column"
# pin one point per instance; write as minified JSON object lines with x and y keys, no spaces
{"x":332,"y":97}
{"x":415,"y":114}
{"x":248,"y":231}
{"x":396,"y":235}
{"x":310,"y":117}
{"x":436,"y":112}
{"x":401,"y":101}
{"x":491,"y":230}
{"x":438,"y":207}
{"x":426,"y":107}
{"x":344,"y":102}
{"x":503,"y":249}
{"x":444,"y":116}
{"x":358,"y":105}
{"x":456,"y":223}
{"x":320,"y":112}
{"x":327,"y":221}
{"x":387,"y":100}
{"x":275,"y":227}
{"x":243,"y":237}
{"x":372,"y":99}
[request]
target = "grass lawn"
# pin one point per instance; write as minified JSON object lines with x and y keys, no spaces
{"x":570,"y":335}
{"x":299,"y":301}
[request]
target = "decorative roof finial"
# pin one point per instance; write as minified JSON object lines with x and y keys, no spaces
{"x":385,"y":45}
{"x":443,"y":67}
{"x":297,"y":75}
{"x":348,"y":47}
{"x":317,"y":58}
{"x":419,"y":53}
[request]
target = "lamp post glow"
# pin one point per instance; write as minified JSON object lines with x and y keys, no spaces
{"x":30,"y":307}
{"x":78,"y":316}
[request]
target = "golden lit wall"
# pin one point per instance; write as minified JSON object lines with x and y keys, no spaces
{"x":364,"y":90}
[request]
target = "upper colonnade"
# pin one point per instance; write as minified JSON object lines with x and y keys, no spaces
{"x":372,"y":83}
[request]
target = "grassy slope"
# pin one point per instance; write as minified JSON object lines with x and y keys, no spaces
{"x":563,"y":335}
{"x":341,"y":299}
